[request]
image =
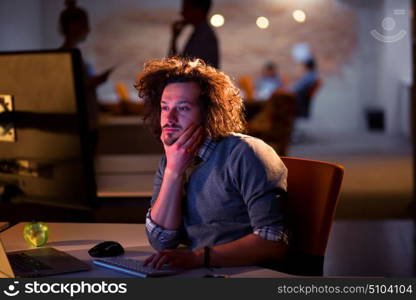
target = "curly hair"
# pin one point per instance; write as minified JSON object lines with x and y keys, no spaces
{"x":220,"y":102}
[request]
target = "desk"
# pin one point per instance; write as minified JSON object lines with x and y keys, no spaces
{"x":126,"y":135}
{"x":125,"y":185}
{"x":114,"y":120}
{"x":77,"y":238}
{"x":126,"y":175}
{"x":3,"y":225}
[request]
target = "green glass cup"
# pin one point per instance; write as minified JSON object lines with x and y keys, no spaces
{"x":36,"y":233}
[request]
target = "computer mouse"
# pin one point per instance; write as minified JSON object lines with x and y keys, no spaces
{"x":105,"y":249}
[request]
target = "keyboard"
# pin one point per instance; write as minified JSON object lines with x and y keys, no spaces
{"x":133,"y":267}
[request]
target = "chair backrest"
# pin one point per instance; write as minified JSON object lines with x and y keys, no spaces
{"x":281,"y":113}
{"x":313,"y":190}
{"x":247,"y":86}
{"x":314,"y":89}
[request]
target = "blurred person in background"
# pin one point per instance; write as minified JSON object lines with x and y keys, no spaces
{"x":306,"y":87}
{"x":74,"y":26}
{"x":203,"y":42}
{"x":268,"y":82}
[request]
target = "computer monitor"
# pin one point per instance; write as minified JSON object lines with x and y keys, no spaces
{"x":44,"y":153}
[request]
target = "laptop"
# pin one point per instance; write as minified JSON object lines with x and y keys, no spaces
{"x":38,"y":262}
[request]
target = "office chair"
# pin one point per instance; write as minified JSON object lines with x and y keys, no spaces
{"x":247,"y":86}
{"x":315,"y":88}
{"x":305,"y":98}
{"x":274,"y":123}
{"x":313,"y":190}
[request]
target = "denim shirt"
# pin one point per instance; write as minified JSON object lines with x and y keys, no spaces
{"x":238,"y":188}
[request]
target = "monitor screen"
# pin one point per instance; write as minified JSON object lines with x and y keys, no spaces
{"x":44,"y":152}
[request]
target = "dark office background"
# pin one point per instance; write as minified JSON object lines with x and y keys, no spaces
{"x":360,"y":116}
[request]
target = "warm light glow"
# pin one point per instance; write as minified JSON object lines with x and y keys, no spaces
{"x":299,"y":16}
{"x":262,"y":22}
{"x":217,"y":20}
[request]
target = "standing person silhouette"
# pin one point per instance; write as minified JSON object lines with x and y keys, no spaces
{"x":203,"y":42}
{"x":74,"y":26}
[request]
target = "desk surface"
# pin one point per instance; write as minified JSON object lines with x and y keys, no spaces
{"x":124,"y":163}
{"x":125,"y":185}
{"x":77,"y":238}
{"x":115,"y":120}
{"x":3,"y":225}
{"x":126,"y":175}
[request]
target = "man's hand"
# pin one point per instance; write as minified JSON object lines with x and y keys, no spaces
{"x":167,"y":209}
{"x":96,"y":80}
{"x":180,"y":154}
{"x":246,"y":251}
{"x":176,"y":258}
{"x":177,"y":28}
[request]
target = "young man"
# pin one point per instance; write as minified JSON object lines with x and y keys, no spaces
{"x":218,"y":191}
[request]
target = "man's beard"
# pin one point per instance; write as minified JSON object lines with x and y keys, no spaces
{"x":169,"y":139}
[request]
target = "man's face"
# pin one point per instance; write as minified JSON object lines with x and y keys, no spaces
{"x":179,"y":109}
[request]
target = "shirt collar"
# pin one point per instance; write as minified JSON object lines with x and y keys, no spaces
{"x":207,"y":147}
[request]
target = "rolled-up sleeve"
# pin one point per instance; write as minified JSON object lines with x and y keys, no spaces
{"x":160,"y":238}
{"x":271,"y":234}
